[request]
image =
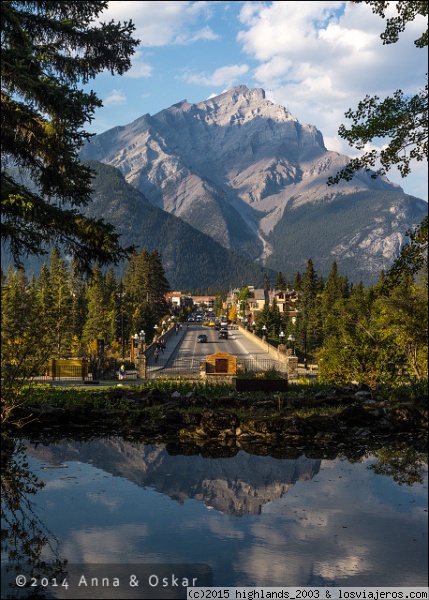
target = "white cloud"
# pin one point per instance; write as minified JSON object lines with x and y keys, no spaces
{"x":319,"y":59}
{"x":139,"y":68}
{"x":115,"y":98}
{"x":163,"y":22}
{"x":224,"y":76}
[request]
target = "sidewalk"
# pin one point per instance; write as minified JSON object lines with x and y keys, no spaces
{"x":172,"y":342}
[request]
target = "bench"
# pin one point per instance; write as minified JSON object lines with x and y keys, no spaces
{"x":128,"y":375}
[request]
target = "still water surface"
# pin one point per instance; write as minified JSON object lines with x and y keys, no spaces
{"x":256,"y":520}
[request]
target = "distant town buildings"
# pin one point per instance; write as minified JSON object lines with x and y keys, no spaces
{"x":247,"y":309}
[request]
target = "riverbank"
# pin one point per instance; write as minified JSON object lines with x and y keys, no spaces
{"x":198,"y":416}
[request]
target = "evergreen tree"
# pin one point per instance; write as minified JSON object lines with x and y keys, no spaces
{"x":266,"y":285}
{"x":78,"y":309}
{"x":297,"y":282}
{"x":25,"y":339}
{"x":309,"y":289}
{"x":14,"y":313}
{"x":61,"y":304}
{"x":145,"y":287}
{"x":336,"y":287}
{"x":48,"y":48}
{"x":95,"y":327}
{"x":44,"y":302}
{"x":281,"y":282}
{"x":275,"y":321}
{"x":113,"y":306}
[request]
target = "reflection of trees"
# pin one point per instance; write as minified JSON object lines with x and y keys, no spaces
{"x":26,"y":544}
{"x":405,"y":464}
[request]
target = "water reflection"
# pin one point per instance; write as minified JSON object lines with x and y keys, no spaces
{"x":404,"y":463}
{"x":26,"y":542}
{"x":256,"y":520}
{"x":238,"y":485}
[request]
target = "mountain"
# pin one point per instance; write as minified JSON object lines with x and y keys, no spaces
{"x":238,"y":485}
{"x":245,"y":172}
{"x":192,"y":260}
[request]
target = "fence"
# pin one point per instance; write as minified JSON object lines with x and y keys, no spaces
{"x":179,"y":367}
{"x":192,"y":367}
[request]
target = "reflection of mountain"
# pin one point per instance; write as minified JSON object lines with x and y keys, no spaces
{"x":238,"y":485}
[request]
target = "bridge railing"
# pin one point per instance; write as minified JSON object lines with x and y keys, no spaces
{"x":192,"y":367}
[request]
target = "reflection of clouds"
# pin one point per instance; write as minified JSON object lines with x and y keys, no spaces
{"x":225,"y":531}
{"x":270,"y":536}
{"x":264,"y":567}
{"x":58,"y":484}
{"x":336,"y":528}
{"x":345,"y":525}
{"x":109,"y":544}
{"x":344,"y":567}
{"x":111,"y":502}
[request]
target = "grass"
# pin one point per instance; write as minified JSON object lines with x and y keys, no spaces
{"x":106,"y":398}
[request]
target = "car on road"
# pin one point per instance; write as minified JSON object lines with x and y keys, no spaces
{"x":223,"y":334}
{"x":202,"y":338}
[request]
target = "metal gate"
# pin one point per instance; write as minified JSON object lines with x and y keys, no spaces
{"x":183,"y":367}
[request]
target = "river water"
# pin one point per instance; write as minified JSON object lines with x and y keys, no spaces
{"x":249,"y":520}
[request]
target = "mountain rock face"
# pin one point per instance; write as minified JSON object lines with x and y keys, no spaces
{"x":239,"y":485}
{"x":192,"y":260}
{"x":245,"y":172}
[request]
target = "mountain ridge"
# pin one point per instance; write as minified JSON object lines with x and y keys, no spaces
{"x":236,"y":166}
{"x":192,"y":260}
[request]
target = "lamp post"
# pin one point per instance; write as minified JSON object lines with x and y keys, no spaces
{"x":134,"y":346}
{"x":264,"y":333}
{"x":292,"y":338}
{"x":121,"y":296}
{"x":139,"y":340}
{"x":142,"y":338}
{"x":282,"y":337}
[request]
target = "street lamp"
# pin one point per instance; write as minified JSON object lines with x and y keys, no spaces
{"x":264,"y":333}
{"x":139,"y":341}
{"x":282,"y":337}
{"x":292,"y":338}
{"x":134,"y":346}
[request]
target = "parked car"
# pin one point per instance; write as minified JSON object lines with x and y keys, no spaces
{"x":202,"y":338}
{"x":223,"y":334}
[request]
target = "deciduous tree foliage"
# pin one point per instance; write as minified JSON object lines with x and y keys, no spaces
{"x":399,"y":119}
{"x":49,"y":49}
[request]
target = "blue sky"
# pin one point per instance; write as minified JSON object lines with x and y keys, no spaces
{"x":318,"y":59}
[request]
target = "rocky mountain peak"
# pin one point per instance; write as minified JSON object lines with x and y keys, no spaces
{"x":238,"y":167}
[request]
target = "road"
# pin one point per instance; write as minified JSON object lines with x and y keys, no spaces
{"x":184,"y":354}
